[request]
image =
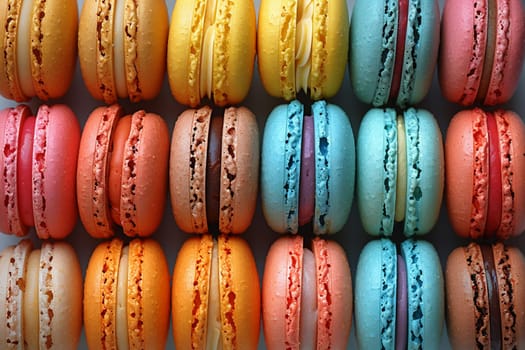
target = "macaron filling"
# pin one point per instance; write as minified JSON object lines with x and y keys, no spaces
{"x":491,"y":280}
{"x":208,"y":43}
{"x":401,"y":305}
{"x":23,"y":45}
{"x":401,"y":183}
{"x":494,"y":204}
{"x":307,"y":174}
{"x":490,"y":48}
{"x":213,"y":172}
{"x":24,"y":173}
{"x":303,"y":44}
{"x":402,"y":19}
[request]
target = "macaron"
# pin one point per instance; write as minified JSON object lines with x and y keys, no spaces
{"x":37,"y":170}
{"x":399,"y":296}
{"x":40,"y":296}
{"x":216,"y":295}
{"x":400,"y":171}
{"x":306,"y":295}
{"x":307,"y":168}
{"x":214,"y":170}
{"x":482,"y":50}
{"x":122,"y":172}
{"x":211,"y":51}
{"x":127,"y":296}
{"x":302,"y":46}
{"x":393,"y":50}
{"x":122,"y":48}
{"x":485,"y":174}
{"x":485,"y":297}
{"x":38,"y":48}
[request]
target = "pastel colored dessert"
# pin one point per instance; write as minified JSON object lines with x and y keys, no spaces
{"x":38,"y":48}
{"x":37,"y":170}
{"x":393,"y":50}
{"x":302,"y":46}
{"x":306,"y":295}
{"x":216,"y":295}
{"x":485,"y":174}
{"x":214,"y":170}
{"x":482,"y":50}
{"x":127,"y":296}
{"x":485,"y":297}
{"x":211,"y":51}
{"x":399,"y":296}
{"x":307,"y":168}
{"x":40,"y":296}
{"x":400,"y":171}
{"x":122,"y":48}
{"x":122,"y":172}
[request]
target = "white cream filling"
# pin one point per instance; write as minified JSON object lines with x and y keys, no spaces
{"x":122,"y":301}
{"x":118,"y":49}
{"x":23,"y":48}
{"x":303,"y":44}
{"x":213,"y":333}
{"x":401,"y":185}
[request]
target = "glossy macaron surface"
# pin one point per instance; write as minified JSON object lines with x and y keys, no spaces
{"x":333,"y":168}
{"x":484,"y":153}
{"x":302,"y":46}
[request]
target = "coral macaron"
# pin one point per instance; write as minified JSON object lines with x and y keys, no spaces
{"x":302,"y":46}
{"x":38,"y":166}
{"x":485,"y":174}
{"x":482,"y":50}
{"x":214,"y":170}
{"x":122,"y":48}
{"x":211,"y":51}
{"x":306,"y":295}
{"x":38,"y":49}
{"x":122,"y":172}
{"x":127,"y":296}
{"x":215,"y":294}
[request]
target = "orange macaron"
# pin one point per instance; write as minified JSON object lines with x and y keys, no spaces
{"x":122,"y":172}
{"x":127,"y":296}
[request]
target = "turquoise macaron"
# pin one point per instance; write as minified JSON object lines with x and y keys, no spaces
{"x":399,"y":298}
{"x":307,"y":168}
{"x":400,"y":171}
{"x":393,"y":50}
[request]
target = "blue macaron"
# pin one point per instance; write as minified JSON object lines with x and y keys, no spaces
{"x":400,"y":171}
{"x":307,"y":168}
{"x":393,"y":50}
{"x":399,"y":297}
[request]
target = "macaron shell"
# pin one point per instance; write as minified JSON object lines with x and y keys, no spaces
{"x":187,"y":169}
{"x":233,"y":50}
{"x":239,"y":170}
{"x":6,"y":256}
{"x":148,"y":295}
{"x":55,"y":152}
{"x":144,"y":171}
{"x":334,"y":290}
{"x":9,"y":83}
{"x":93,"y":171}
{"x":335,"y":167}
{"x":239,"y":280}
{"x":280,"y":167}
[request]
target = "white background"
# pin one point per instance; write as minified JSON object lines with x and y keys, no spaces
{"x":352,"y":238}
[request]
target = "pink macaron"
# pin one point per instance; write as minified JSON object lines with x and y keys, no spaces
{"x":482,"y":50}
{"x":38,"y":168}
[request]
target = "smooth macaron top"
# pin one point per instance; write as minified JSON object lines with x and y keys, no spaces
{"x":482,"y":50}
{"x":306,"y":295}
{"x":38,"y":48}
{"x":485,"y":157}
{"x":216,"y":294}
{"x":214,"y":169}
{"x":38,"y":170}
{"x":485,"y":301}
{"x":400,"y":171}
{"x":211,"y":51}
{"x":376,"y":289}
{"x":302,"y":46}
{"x":122,"y":172}
{"x":41,"y":296}
{"x":122,"y":48}
{"x":126,"y":299}
{"x":331,"y":167}
{"x":393,"y":50}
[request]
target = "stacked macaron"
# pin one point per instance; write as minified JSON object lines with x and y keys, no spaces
{"x":307,"y":174}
